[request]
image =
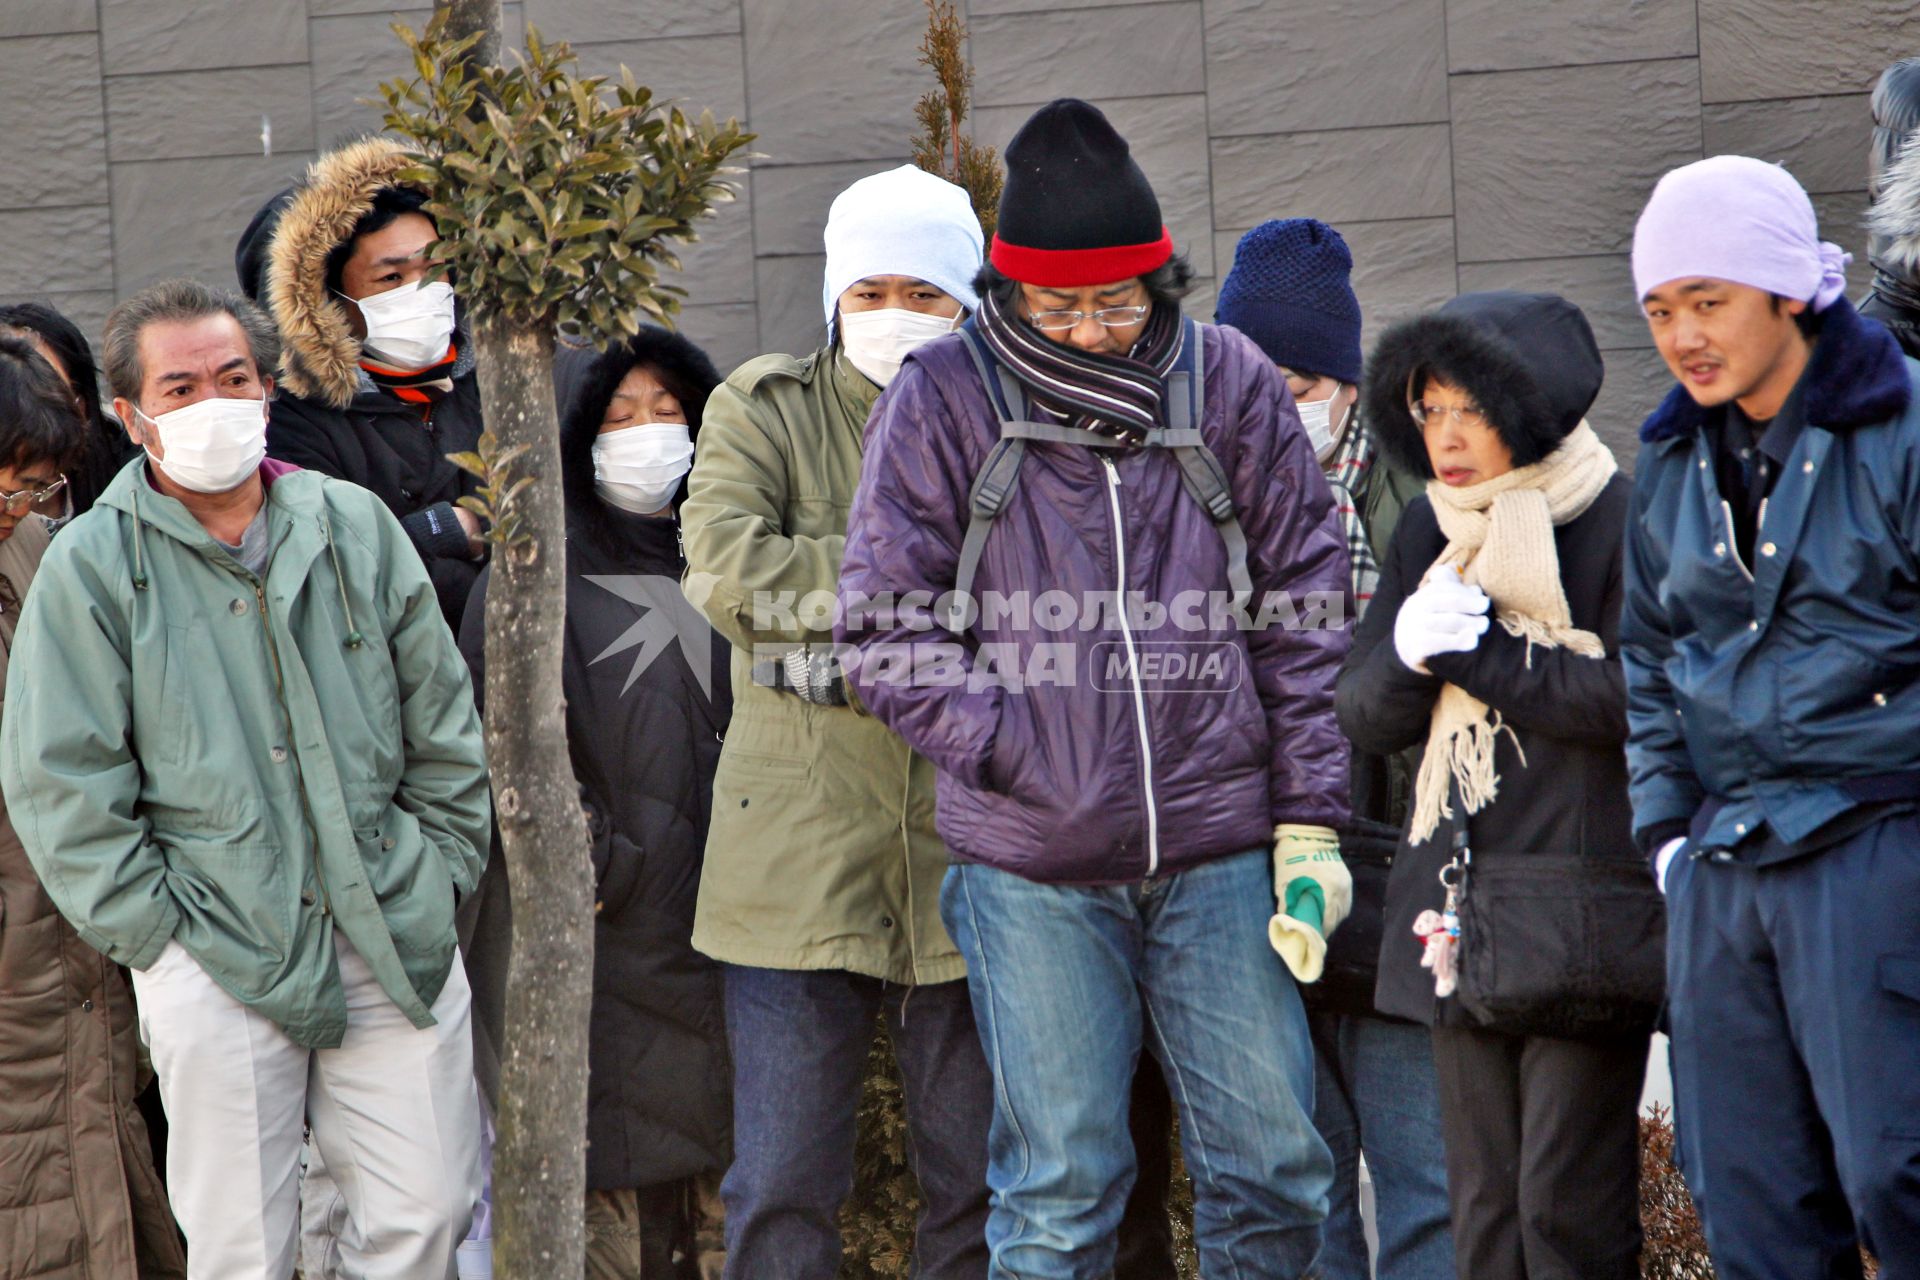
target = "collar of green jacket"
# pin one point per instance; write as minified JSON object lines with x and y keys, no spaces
{"x":296,"y":503}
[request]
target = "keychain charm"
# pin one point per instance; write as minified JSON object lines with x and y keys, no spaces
{"x":1440,"y":930}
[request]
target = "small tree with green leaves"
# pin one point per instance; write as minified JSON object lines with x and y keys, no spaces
{"x":943,"y":146}
{"x":557,"y":203}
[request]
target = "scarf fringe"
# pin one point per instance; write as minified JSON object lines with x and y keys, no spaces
{"x":1500,"y":536}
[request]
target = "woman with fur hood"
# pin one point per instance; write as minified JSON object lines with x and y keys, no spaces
{"x":376,"y":379}
{"x":648,"y":701}
{"x":1493,"y":638}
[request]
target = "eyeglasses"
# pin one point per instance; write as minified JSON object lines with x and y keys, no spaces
{"x":18,"y":504}
{"x":1111,"y":317}
{"x":1470,"y":415}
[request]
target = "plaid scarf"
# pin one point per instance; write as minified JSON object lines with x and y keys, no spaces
{"x":1349,"y":469}
{"x":1118,"y":396}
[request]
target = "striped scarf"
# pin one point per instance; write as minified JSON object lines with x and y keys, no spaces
{"x":1117,"y":396}
{"x":422,"y":388}
{"x":1349,"y":468}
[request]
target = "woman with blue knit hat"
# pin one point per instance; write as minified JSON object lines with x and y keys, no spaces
{"x":1772,"y":644}
{"x":1374,"y":1086}
{"x":820,"y":889}
{"x":1128,"y":832}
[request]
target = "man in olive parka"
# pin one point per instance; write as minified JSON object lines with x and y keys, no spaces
{"x":820,"y":892}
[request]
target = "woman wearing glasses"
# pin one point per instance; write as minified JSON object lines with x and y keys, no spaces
{"x":77,"y":1160}
{"x":106,"y":448}
{"x":1493,"y":639}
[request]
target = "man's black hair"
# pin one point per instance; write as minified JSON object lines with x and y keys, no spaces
{"x":1166,"y":284}
{"x":1806,"y":321}
{"x":388,"y":203}
{"x":38,"y":419}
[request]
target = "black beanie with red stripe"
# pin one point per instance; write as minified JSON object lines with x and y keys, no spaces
{"x":1076,"y":209}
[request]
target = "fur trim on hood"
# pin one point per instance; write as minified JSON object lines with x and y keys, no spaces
{"x":320,"y":357}
{"x":1528,"y":359}
{"x":1895,"y":218}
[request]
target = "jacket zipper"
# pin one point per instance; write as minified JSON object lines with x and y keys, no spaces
{"x":280,"y":691}
{"x":1133,"y":667}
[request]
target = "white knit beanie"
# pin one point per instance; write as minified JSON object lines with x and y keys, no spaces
{"x":904,"y":222}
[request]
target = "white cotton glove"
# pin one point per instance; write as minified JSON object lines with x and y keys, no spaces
{"x":1444,"y":616}
{"x":1664,"y":859}
{"x":1314,"y":890}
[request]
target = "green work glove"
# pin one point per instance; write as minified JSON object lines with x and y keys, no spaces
{"x":1314,"y":891}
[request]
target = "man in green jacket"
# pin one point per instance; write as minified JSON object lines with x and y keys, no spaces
{"x":241,"y":751}
{"x":821,"y":887}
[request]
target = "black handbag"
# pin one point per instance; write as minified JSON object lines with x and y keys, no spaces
{"x":1353,"y":952}
{"x":1563,"y":946}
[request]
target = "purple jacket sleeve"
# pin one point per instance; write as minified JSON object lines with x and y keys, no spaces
{"x":904,"y":531}
{"x":1295,"y":552}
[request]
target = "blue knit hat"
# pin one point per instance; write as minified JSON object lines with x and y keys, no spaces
{"x":1289,"y":292}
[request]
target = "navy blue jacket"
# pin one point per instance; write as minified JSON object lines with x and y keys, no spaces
{"x":1764,"y":694}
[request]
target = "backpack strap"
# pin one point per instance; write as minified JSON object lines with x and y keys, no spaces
{"x":996,"y":481}
{"x":1200,"y":471}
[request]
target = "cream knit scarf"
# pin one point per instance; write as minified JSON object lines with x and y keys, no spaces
{"x":1500,"y":538}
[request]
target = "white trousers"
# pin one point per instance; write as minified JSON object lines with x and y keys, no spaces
{"x":393,"y":1110}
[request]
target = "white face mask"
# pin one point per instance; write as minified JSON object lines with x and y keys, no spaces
{"x":639,"y":469}
{"x":1317,"y":417}
{"x":212,"y":446}
{"x":877,"y":341}
{"x":410,"y":327}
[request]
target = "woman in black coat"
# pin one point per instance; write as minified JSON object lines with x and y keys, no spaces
{"x":648,"y":701}
{"x":1512,"y":680}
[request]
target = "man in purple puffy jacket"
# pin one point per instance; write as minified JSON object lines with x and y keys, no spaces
{"x":1120,"y":651}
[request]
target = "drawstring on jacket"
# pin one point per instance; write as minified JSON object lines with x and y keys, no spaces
{"x":354,"y":638}
{"x":139,"y":563}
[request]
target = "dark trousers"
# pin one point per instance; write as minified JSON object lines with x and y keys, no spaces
{"x":1794,"y":994}
{"x":1145,"y":1249}
{"x":1543,"y":1154}
{"x":800,"y":1042}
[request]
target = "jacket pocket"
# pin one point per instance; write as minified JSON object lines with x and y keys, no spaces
{"x":1900,"y":988}
{"x":414,"y":887}
{"x":1822,"y":696}
{"x":236,"y":903}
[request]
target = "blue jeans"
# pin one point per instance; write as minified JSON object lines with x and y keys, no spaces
{"x":1375,"y":1091}
{"x":1068,"y":982}
{"x":800,"y":1042}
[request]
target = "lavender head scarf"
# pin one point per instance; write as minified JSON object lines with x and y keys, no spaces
{"x":1737,"y":219}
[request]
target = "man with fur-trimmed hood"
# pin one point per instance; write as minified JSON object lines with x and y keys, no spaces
{"x":376,"y":380}
{"x":1894,"y":183}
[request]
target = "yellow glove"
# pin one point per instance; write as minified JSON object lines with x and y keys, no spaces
{"x":1315,"y":892}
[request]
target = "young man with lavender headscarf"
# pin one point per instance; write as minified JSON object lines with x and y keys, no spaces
{"x":1772,"y":647}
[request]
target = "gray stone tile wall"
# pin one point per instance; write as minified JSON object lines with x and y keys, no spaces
{"x":1458,"y":144}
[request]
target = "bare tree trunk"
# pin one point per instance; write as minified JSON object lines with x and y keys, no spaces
{"x":464,"y":17}
{"x":540,"y":1170}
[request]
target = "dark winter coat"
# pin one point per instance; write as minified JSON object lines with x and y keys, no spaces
{"x":328,"y":415}
{"x":1052,"y":782}
{"x":648,"y":702}
{"x":1773,"y":688}
{"x":1567,"y":714}
{"x":1530,"y":360}
{"x":79,"y":1196}
{"x":384,"y":444}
